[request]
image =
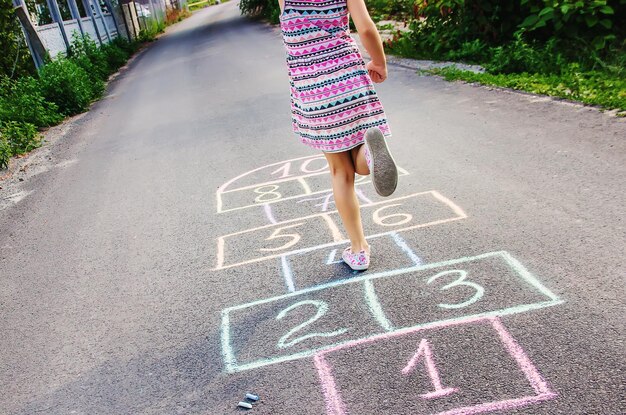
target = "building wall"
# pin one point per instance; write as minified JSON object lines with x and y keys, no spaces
{"x":52,"y":38}
{"x":110,"y":24}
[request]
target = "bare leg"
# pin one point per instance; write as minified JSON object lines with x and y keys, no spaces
{"x":342,"y":175}
{"x":358,"y":160}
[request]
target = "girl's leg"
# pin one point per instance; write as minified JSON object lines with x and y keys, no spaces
{"x":383,"y":168}
{"x":341,"y":169}
{"x":358,"y":160}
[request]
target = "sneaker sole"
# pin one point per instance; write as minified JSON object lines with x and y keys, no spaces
{"x":361,"y":268}
{"x":384,"y":170}
{"x":357,"y":267}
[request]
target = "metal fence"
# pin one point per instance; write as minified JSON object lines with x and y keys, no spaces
{"x":50,"y":25}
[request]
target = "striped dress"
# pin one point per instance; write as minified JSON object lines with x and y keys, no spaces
{"x":333,"y":101}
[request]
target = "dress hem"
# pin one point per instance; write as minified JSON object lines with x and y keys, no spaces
{"x":341,"y":150}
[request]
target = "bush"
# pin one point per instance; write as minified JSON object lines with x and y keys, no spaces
{"x":23,"y":101}
{"x":67,"y":85}
{"x":101,"y":61}
{"x":385,"y":9}
{"x":5,"y":152}
{"x":566,"y":48}
{"x":440,"y":26}
{"x":585,"y":32}
{"x":22,"y":137}
{"x":115,"y":56}
{"x":176,"y":15}
{"x":146,"y":35}
{"x":201,"y":5}
{"x":524,"y":35}
{"x":16,"y":138}
{"x":475,"y":51}
{"x":153,"y":28}
{"x":520,"y":56}
{"x":86,"y":53}
{"x":128,"y":47}
{"x":268,"y":9}
{"x":583,"y":23}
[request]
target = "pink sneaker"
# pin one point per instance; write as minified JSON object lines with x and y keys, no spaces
{"x":358,"y":262}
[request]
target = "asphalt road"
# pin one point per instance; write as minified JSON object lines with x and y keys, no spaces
{"x":136,"y":280}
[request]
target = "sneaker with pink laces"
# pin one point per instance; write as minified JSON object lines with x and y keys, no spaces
{"x":359,"y":261}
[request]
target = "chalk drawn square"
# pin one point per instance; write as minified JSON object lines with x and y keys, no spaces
{"x":449,"y":369}
{"x":272,"y":241}
{"x":262,"y":194}
{"x":364,"y":295}
{"x":418,"y":210}
{"x":324,"y":265}
{"x":320,"y":201}
{"x":263,"y":333}
{"x":477,"y":285}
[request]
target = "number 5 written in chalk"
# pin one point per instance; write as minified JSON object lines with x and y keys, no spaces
{"x":293,"y":238}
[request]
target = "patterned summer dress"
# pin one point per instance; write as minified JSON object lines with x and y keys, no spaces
{"x":333,"y":101}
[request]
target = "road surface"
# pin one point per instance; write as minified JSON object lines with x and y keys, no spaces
{"x":180,"y":248}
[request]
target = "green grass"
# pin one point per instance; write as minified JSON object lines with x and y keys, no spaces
{"x":553,"y":67}
{"x":202,"y":4}
{"x":594,"y":88}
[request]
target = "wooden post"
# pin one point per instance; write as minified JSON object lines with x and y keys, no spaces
{"x":129,"y":15}
{"x":125,"y":16}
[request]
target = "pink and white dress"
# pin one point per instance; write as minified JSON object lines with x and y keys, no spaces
{"x":333,"y":101}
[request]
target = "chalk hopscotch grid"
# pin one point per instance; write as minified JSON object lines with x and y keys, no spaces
{"x":359,"y":180}
{"x":221,"y":242}
{"x":300,"y":179}
{"x":332,"y":396}
{"x":336,"y":406}
{"x":223,"y":190}
{"x":230,"y":360}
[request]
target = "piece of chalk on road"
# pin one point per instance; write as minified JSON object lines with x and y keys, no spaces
{"x":245,"y":405}
{"x":252,"y":397}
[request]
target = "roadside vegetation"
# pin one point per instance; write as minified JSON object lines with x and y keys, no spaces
{"x":571,"y":49}
{"x":203,"y":3}
{"x":32,"y":100}
{"x":263,"y":9}
{"x":63,"y":87}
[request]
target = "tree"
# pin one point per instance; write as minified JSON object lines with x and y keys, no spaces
{"x":15,"y":58}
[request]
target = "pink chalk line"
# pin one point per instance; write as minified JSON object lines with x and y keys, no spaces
{"x":429,"y":361}
{"x":336,"y":406}
{"x":534,"y":378}
{"x":500,"y":405}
